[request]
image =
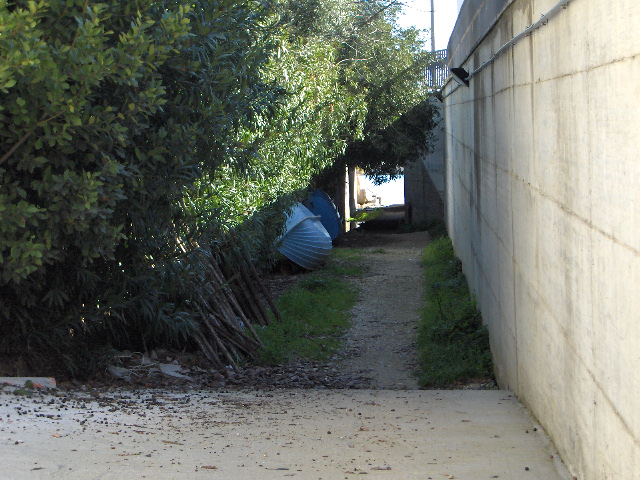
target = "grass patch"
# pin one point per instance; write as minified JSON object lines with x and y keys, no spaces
{"x":345,"y":254}
{"x":453,"y":343}
{"x":315,"y":313}
{"x":344,"y":262}
{"x":365,"y":215}
{"x":437,"y":228}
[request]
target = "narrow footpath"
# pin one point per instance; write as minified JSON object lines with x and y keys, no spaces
{"x":388,"y":430}
{"x":381,"y":342}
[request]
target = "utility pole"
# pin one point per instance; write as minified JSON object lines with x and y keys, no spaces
{"x":433,"y":36}
{"x":432,"y":69}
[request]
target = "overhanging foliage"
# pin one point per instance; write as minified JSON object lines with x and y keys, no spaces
{"x":134,"y":135}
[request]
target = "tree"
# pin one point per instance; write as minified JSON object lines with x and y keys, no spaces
{"x":135,"y":135}
{"x":109,"y":113}
{"x":384,"y":66}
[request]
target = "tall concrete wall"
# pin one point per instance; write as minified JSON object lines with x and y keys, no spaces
{"x":424,"y":179}
{"x":543,"y":206}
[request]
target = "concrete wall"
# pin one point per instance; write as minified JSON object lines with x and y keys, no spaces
{"x":424,"y":180}
{"x":543,"y":206}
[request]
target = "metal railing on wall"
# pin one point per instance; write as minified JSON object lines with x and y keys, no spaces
{"x":544,"y":19}
{"x":436,"y":72}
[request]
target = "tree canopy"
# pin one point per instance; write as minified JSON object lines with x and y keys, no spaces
{"x":133,"y":134}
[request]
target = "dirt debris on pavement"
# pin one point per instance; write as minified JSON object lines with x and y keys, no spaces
{"x":124,"y":434}
{"x":381,"y":341}
{"x":359,"y":414}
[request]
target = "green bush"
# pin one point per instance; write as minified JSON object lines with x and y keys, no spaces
{"x":135,"y":134}
{"x":109,"y":114}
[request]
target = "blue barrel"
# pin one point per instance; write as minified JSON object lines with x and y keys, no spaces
{"x":321,"y":205}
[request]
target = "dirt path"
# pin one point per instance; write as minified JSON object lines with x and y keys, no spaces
{"x":381,"y":342}
{"x":385,"y":429}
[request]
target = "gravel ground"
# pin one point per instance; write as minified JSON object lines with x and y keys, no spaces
{"x":361,"y":413}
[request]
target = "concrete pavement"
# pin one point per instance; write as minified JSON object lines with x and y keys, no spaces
{"x":306,"y":434}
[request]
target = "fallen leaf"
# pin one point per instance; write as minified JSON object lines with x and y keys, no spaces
{"x":209,"y":467}
{"x":56,"y":435}
{"x":174,"y":443}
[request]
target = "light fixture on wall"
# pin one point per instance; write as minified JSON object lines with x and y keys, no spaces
{"x":460,"y":75}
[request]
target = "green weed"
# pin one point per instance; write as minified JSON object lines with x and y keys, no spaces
{"x":365,"y":215}
{"x":345,"y":253}
{"x":315,"y":313}
{"x":453,"y":343}
{"x":345,"y":262}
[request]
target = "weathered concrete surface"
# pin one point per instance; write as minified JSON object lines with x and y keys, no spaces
{"x":543,"y":206}
{"x":307,"y":434}
{"x":424,"y":179}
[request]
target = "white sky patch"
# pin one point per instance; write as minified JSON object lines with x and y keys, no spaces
{"x":390,"y":193}
{"x":417,"y":13}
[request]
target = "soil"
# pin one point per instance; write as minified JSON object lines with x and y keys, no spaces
{"x":380,"y":345}
{"x":379,"y":350}
{"x":304,"y":420}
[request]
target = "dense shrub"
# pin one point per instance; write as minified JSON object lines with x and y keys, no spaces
{"x":109,"y":113}
{"x":453,"y":341}
{"x":134,"y":135}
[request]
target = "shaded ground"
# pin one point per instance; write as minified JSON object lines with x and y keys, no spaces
{"x":381,"y":342}
{"x":303,"y":420}
{"x":379,"y":350}
{"x":392,"y":217}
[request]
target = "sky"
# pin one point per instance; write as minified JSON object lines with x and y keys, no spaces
{"x":418,"y":14}
{"x":390,"y":193}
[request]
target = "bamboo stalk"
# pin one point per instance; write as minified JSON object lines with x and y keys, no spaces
{"x":246,"y":308}
{"x":226,"y":333}
{"x":254,"y":293}
{"x":253,"y":270}
{"x":207,"y":349}
{"x":229,"y":316}
{"x":234,"y":304}
{"x":249,"y":348}
{"x":250,"y":302}
{"x":216,"y":338}
{"x":264,"y":290}
{"x":224,"y":322}
{"x":244,"y":296}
